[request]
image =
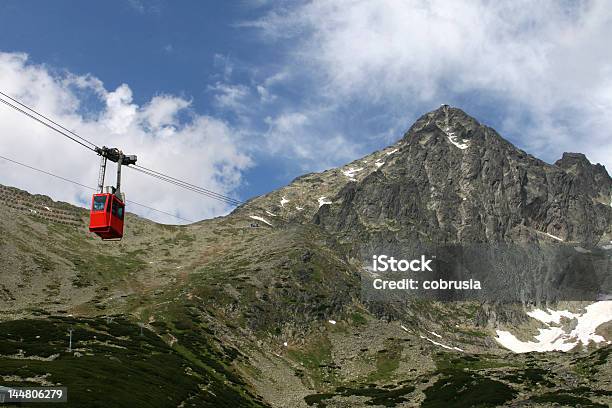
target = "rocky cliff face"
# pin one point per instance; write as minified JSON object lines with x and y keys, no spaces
{"x":456,"y":180}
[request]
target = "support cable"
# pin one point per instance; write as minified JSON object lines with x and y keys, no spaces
{"x":55,"y":126}
{"x":90,"y":188}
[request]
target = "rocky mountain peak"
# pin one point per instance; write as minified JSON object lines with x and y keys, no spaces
{"x":454,"y":126}
{"x":443,"y":116}
{"x":592,"y":179}
{"x":576,"y":163}
{"x":570,"y":159}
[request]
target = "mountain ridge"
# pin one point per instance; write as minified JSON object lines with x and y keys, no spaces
{"x":547,"y":193}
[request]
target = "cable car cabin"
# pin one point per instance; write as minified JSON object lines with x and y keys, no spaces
{"x":106,"y":217}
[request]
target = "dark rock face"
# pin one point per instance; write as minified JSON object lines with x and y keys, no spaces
{"x":591,"y":180}
{"x":456,"y":180}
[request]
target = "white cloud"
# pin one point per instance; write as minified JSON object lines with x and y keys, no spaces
{"x":162,"y":111}
{"x":120,"y":112}
{"x":285,"y":130}
{"x":264,"y":94}
{"x":264,"y":89}
{"x":201,"y":149}
{"x":545,"y":65}
{"x":230,"y":96}
{"x":303,"y":137}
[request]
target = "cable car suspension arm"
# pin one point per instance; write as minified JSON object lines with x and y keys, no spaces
{"x":115,"y":155}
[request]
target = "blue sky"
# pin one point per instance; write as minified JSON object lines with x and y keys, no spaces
{"x":244,"y":96}
{"x":158,"y":49}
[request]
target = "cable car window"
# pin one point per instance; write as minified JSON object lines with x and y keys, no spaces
{"x":98,"y":203}
{"x":117,"y":210}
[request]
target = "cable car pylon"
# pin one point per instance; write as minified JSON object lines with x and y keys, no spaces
{"x":108,"y":207}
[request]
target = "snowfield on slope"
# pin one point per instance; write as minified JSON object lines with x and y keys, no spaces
{"x":350,"y":173}
{"x":323,"y":201}
{"x":555,"y":338}
{"x":262,"y":219}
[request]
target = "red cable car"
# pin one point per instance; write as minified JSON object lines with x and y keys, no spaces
{"x":108,"y":209}
{"x":106,"y":217}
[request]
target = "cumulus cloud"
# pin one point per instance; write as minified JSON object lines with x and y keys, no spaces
{"x":545,"y":67}
{"x":164,"y":134}
{"x":162,"y":111}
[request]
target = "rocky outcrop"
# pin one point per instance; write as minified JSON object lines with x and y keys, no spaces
{"x":591,"y":180}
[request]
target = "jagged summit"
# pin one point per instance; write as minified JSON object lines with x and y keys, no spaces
{"x":454,"y":127}
{"x":576,"y":162}
{"x":446,"y":114}
{"x":591,"y":180}
{"x":461,"y":129}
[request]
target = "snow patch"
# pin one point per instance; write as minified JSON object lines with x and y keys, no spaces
{"x":436,"y":334}
{"x":554,"y":338}
{"x":48,"y":209}
{"x":270,"y":214}
{"x":596,"y":314}
{"x":379,"y":163}
{"x":299,"y":208}
{"x":403,"y":327}
{"x":441,"y":345}
{"x":463,"y":144}
{"x":262,"y":219}
{"x":554,"y":236}
{"x":551,"y":316}
{"x":332,"y":321}
{"x":350,"y":173}
{"x":547,"y":340}
{"x":283,"y":201}
{"x":323,"y":201}
{"x":392,"y":151}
